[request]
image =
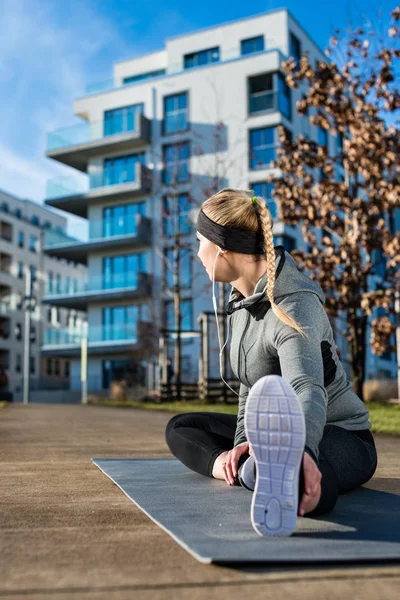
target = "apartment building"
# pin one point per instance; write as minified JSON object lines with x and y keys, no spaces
{"x":148,"y":141}
{"x":23,"y":224}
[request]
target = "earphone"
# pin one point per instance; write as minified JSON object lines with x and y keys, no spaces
{"x":216,"y":317}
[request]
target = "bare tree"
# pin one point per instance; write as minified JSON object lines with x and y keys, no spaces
{"x":351,"y":195}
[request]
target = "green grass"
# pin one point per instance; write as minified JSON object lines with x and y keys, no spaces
{"x":384,"y":418}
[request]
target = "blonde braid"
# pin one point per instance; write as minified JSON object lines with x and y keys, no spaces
{"x":266,"y":222}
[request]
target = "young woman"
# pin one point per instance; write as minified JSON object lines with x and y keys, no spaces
{"x":292,"y":383}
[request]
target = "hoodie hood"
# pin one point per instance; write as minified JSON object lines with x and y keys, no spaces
{"x":288,"y":280}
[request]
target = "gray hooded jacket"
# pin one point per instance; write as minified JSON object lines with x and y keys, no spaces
{"x":263,"y":345}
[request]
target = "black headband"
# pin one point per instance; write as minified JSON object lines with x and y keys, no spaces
{"x":228,"y":238}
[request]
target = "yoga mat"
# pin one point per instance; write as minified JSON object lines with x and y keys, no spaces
{"x":211,"y":520}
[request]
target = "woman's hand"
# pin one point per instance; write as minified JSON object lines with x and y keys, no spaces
{"x":230,"y":468}
{"x":312,"y":480}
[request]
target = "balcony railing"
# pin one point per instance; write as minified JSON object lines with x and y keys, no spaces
{"x":68,"y":186}
{"x":226,"y":55}
{"x":59,"y":238}
{"x":131,"y":280}
{"x":85,"y":133}
{"x":96,"y":334}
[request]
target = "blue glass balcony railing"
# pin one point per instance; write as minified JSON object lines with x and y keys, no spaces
{"x":112,"y":281}
{"x":98,"y":229}
{"x":98,"y":333}
{"x":62,"y":187}
{"x":84,"y":133}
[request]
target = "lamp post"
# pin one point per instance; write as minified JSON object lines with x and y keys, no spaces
{"x":29,"y":304}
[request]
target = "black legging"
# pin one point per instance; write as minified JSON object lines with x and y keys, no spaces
{"x":347,"y":459}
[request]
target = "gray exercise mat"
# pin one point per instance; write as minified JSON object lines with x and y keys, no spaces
{"x":211,"y":520}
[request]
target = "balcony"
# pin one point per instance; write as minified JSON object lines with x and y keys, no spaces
{"x":103,"y":233}
{"x":102,"y":340}
{"x":74,"y":195}
{"x":76,"y":145}
{"x":100,"y":289}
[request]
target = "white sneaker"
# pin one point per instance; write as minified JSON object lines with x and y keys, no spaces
{"x":247,"y":474}
{"x":275,"y":427}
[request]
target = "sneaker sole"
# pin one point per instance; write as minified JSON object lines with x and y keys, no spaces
{"x":275,"y":428}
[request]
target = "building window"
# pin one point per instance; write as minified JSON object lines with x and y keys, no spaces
{"x":185,"y":267}
{"x":264,"y":189}
{"x":142,"y":76}
{"x":263,"y":144}
{"x":32,"y":365}
{"x":35,"y":220}
{"x":57,"y":367}
{"x":50,"y":282}
{"x":33,"y":334}
{"x":175,"y":113}
{"x":18,"y":213}
{"x":120,"y":322}
{"x":322,"y":137}
{"x":123,"y":271}
{"x":18,"y":363}
{"x":47,"y":225}
{"x":269,"y":92}
{"x":286,"y":241}
{"x":176,"y":208}
{"x":176,"y":163}
{"x":119,"y":220}
{"x":33,"y":243}
{"x":20,"y":239}
{"x":20,"y":272}
{"x":49,"y":366}
{"x":122,"y":119}
{"x":255,"y":44}
{"x":121,"y":169}
{"x":203,"y":57}
{"x":58,"y":283}
{"x":4,"y":207}
{"x":186,"y":315}
{"x":66,"y":368}
{"x":33,"y":272}
{"x":295,"y":48}
{"x":284,"y":96}
{"x":74,"y":285}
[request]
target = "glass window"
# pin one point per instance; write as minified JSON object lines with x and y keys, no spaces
{"x":185,"y":267}
{"x":4,"y":207}
{"x":35,"y":220}
{"x":122,"y":119}
{"x":175,"y":113}
{"x":121,"y":169}
{"x":294,"y":48}
{"x":261,"y":93}
{"x":255,"y":44}
{"x":262,"y":147}
{"x":50,"y":282}
{"x":20,"y":239}
{"x":203,"y":57}
{"x":58,"y":283}
{"x":120,"y":322}
{"x":66,"y":368}
{"x":20,"y":269}
{"x":32,"y":365}
{"x":284,"y":97}
{"x":264,"y":189}
{"x":49,"y":366}
{"x":56,"y":367}
{"x":186,"y":315}
{"x":176,"y":162}
{"x":176,"y":208}
{"x":18,"y":213}
{"x":122,"y":271}
{"x":18,"y":363}
{"x":122,"y":219}
{"x":33,"y":243}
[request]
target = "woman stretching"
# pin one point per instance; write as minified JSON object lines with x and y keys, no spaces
{"x":302,"y":435}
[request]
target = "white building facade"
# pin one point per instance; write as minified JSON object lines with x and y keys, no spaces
{"x":23,"y":225}
{"x":150,"y":138}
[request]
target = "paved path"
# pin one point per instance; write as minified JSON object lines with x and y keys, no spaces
{"x":67,"y":532}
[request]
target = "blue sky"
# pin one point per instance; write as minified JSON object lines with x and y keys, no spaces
{"x":50,"y":49}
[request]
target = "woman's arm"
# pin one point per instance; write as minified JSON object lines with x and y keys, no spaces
{"x":302,"y":364}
